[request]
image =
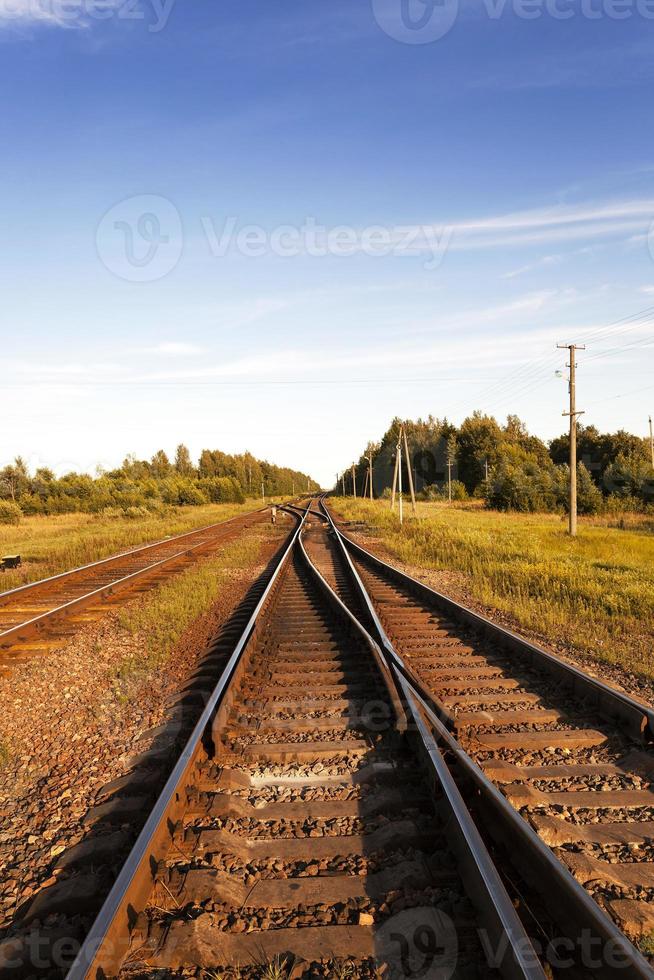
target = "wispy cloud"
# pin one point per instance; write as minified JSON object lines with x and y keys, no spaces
{"x":557,"y":223}
{"x":173,"y":348}
{"x":590,"y":223}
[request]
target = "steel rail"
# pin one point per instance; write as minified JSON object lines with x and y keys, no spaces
{"x":394,"y":658}
{"x":567,"y":901}
{"x":60,"y":576}
{"x":103,"y":948}
{"x":382,"y":666}
{"x":36,"y":623}
{"x":582,"y":920}
{"x":635,"y":717}
{"x":519,"y":959}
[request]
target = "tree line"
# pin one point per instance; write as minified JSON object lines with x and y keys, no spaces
{"x":510,"y":468}
{"x":145,"y":485}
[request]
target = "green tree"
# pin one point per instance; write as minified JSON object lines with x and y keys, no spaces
{"x":183,"y":464}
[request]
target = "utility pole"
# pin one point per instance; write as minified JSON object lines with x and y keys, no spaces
{"x":651,"y":440}
{"x":486,"y":468}
{"x":263,"y":495}
{"x":354,"y":483}
{"x":343,"y":482}
{"x":399,"y":474}
{"x":370,"y":467}
{"x":573,"y":413}
{"x":394,"y":482}
{"x":408,"y":469}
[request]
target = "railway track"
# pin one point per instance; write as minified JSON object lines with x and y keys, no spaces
{"x":37,"y":616}
{"x":331,"y":813}
{"x":310,"y":826}
{"x":571,"y":755}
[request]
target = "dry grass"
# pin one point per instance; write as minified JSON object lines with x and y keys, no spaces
{"x":159,"y":620}
{"x":594,"y":594}
{"x":49,"y":545}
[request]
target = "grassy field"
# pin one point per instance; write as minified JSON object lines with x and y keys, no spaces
{"x":594,"y":594}
{"x":49,"y":545}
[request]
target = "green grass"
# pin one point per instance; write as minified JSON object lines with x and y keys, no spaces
{"x":159,"y":620}
{"x":594,"y":593}
{"x":49,"y":545}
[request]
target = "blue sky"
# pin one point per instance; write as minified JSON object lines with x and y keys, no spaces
{"x":506,"y":166}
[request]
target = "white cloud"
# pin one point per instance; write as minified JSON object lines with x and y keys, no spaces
{"x":558,"y":223}
{"x":173,"y":348}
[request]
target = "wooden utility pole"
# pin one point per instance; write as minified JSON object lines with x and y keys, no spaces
{"x":449,"y":479}
{"x":408,"y":467}
{"x":263,"y":495}
{"x":354,"y":482}
{"x":370,"y":471}
{"x":343,"y":482}
{"x":573,"y":413}
{"x":394,"y":481}
{"x":399,"y":474}
{"x":651,"y":441}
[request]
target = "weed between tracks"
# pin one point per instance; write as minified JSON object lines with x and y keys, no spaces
{"x":594,"y":594}
{"x":160,"y":619}
{"x":49,"y":545}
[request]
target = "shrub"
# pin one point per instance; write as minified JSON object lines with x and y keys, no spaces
{"x":459,"y":491}
{"x":10,"y":513}
{"x":136,"y":513}
{"x":590,"y":499}
{"x":222,"y":489}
